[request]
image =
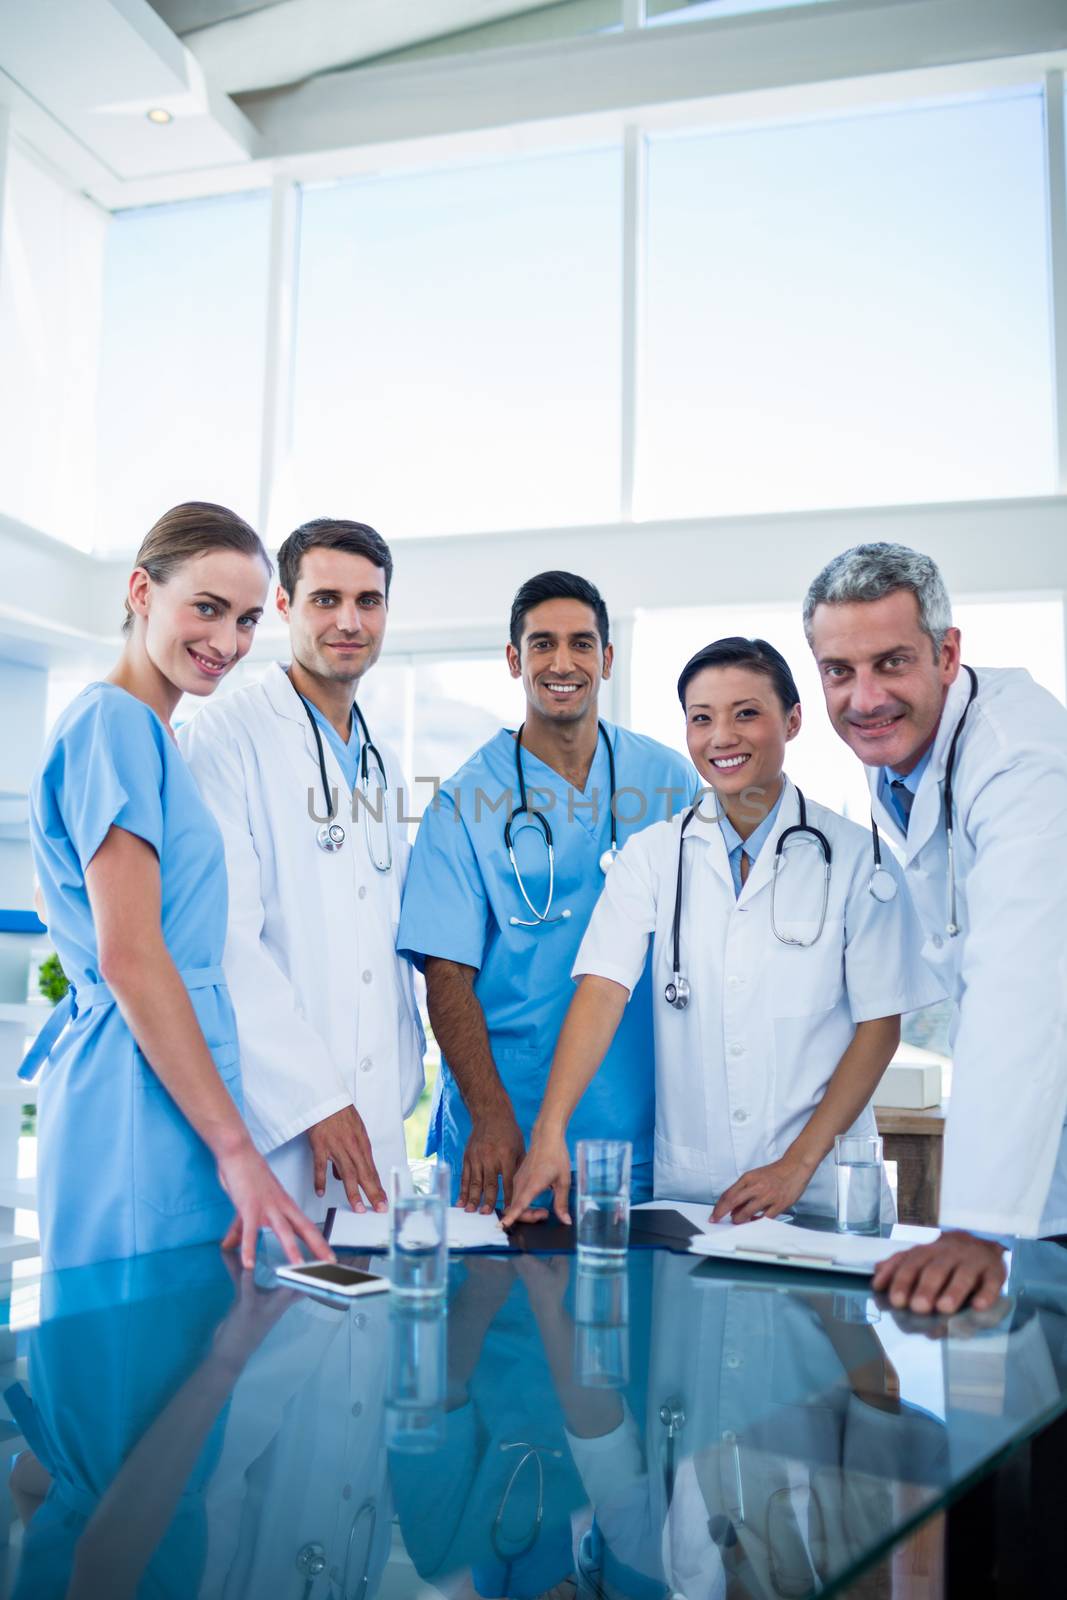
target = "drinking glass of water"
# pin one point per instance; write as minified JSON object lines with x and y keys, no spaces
{"x":858,"y":1158}
{"x":418,"y":1374}
{"x":603,"y":1200}
{"x":602,"y":1326}
{"x":418,"y":1234}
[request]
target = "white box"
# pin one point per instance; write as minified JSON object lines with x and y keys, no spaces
{"x":910,"y":1085}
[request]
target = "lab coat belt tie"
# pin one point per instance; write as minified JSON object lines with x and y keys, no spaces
{"x":96,"y":994}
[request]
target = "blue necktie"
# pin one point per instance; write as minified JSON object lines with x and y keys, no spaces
{"x":904,"y":799}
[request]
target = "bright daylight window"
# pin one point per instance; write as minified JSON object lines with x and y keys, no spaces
{"x":182,"y":352}
{"x":848,"y":312}
{"x":457,"y":362}
{"x":50,"y":268}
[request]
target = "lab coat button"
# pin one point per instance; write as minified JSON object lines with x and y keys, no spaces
{"x":737,"y":1049}
{"x":740,"y":1116}
{"x":367,"y":976}
{"x":733,"y":1362}
{"x":366,"y":1064}
{"x":357,"y":1409}
{"x":728,"y":1436}
{"x":363,"y":891}
{"x":937,"y":941}
{"x":734,"y":982}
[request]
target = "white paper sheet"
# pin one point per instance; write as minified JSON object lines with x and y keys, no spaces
{"x":786,"y":1244}
{"x":369,"y":1230}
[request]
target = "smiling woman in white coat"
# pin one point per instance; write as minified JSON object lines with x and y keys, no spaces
{"x":783,"y":949}
{"x":331,"y":1042}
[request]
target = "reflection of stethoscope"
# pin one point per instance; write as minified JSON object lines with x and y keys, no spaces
{"x":721,"y":1528}
{"x":521,"y":1547}
{"x":882,"y":885}
{"x":311,"y":1558}
{"x":331,"y":835}
{"x":538,"y":819}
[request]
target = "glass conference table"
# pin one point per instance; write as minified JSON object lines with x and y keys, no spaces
{"x":680,"y":1427}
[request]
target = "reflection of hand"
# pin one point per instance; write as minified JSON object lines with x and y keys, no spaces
{"x":251,"y":1316}
{"x":261,"y":1202}
{"x":494,"y":1150}
{"x":964,"y":1324}
{"x":547,"y":1166}
{"x":765,"y":1191}
{"x":944,"y":1275}
{"x":546,"y":1278}
{"x":342,"y":1140}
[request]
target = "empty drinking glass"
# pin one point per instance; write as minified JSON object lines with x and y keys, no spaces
{"x":418,"y":1234}
{"x":603,"y":1200}
{"x":858,"y":1158}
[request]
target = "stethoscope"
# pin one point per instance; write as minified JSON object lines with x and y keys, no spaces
{"x":881,"y":884}
{"x":538,"y":818}
{"x":331,"y":835}
{"x":952,"y":927}
{"x":311,"y":1558}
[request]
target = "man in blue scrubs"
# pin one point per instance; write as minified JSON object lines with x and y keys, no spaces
{"x":497,"y":945}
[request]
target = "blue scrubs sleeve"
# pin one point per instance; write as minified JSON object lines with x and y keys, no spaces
{"x":445,"y":909}
{"x":111,"y":774}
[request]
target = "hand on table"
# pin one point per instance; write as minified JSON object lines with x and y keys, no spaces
{"x":943,"y":1276}
{"x":763,"y":1192}
{"x":494,"y":1151}
{"x":547,"y":1166}
{"x":261,"y":1202}
{"x":342,"y":1140}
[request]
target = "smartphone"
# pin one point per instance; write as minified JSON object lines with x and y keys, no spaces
{"x":334,"y":1277}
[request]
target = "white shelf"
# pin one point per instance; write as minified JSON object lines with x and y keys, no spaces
{"x":15,"y":1247}
{"x":34,"y":1013}
{"x":18,"y":1193}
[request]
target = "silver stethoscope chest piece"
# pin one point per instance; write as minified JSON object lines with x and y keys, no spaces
{"x":608,"y":859}
{"x":330,"y":837}
{"x":883,"y":885}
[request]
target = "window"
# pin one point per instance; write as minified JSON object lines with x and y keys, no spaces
{"x":662,"y":12}
{"x":181,"y":380}
{"x":457,"y":361}
{"x":848,"y":312}
{"x":50,"y":277}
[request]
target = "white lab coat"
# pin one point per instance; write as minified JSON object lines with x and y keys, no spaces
{"x":741,"y":1069}
{"x":326,"y":1013}
{"x":1005,"y":1161}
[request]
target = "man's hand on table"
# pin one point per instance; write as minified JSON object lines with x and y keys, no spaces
{"x":494,"y":1151}
{"x":955,"y":1270}
{"x":342,"y":1139}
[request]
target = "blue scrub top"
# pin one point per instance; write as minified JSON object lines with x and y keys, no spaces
{"x":120,"y":1169}
{"x":461,"y":893}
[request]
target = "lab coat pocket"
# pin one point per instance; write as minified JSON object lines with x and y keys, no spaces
{"x":806,"y":978}
{"x":174,"y":1169}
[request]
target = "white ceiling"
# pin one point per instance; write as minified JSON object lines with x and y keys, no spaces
{"x":256,"y":89}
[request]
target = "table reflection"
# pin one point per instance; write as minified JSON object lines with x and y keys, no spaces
{"x":671,"y":1428}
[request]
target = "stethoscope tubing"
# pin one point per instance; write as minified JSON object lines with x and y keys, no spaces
{"x":538,"y":819}
{"x":367,"y":749}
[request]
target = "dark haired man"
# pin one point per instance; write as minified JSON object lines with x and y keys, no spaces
{"x":498,"y":931}
{"x":330,"y":1041}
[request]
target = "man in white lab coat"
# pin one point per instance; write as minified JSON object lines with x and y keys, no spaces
{"x":330,"y":1040}
{"x":991,"y":748}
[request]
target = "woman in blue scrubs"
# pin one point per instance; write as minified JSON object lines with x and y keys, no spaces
{"x":141,"y":1145}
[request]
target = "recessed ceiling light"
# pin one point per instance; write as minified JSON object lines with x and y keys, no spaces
{"x":159,"y":116}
